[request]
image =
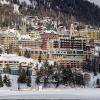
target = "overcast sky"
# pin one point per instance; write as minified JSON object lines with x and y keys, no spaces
{"x":96,"y":2}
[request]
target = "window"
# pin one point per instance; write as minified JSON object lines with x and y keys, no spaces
{"x":79,"y":52}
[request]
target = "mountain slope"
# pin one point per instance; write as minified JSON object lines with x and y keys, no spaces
{"x":82,"y":10}
{"x":64,"y":10}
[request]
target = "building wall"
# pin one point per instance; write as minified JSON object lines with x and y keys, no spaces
{"x":35,"y":53}
{"x":71,"y":63}
{"x":26,"y":43}
{"x":8,"y":40}
{"x":92,"y":34}
{"x":68,"y":50}
{"x":46,"y":37}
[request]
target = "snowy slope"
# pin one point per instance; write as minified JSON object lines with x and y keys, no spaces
{"x":16,"y":6}
{"x":27,"y":1}
{"x":97,"y":2}
{"x":7,"y":2}
{"x":4,"y":2}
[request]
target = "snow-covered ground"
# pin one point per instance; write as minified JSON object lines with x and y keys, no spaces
{"x":50,"y":93}
{"x":75,"y":93}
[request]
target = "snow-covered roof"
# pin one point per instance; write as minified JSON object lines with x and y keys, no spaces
{"x":22,"y":60}
{"x":24,"y":37}
{"x":50,"y":31}
{"x":14,"y":57}
{"x":31,"y":49}
{"x":10,"y":31}
{"x":16,"y":8}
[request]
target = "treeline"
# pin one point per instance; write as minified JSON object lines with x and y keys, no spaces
{"x":58,"y":75}
{"x":82,"y":10}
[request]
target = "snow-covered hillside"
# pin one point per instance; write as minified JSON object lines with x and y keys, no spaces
{"x":33,"y":3}
{"x":27,"y":2}
{"x":64,"y":94}
{"x":20,"y":1}
{"x":4,"y":2}
{"x":17,"y":4}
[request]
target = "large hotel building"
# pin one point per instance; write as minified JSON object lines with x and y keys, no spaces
{"x":69,"y":51}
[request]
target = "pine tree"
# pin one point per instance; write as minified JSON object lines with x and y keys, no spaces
{"x":94,"y":66}
{"x":37,"y":81}
{"x":46,"y":64}
{"x":39,"y":59}
{"x":22,"y":77}
{"x":28,"y":71}
{"x":1,"y":82}
{"x":5,"y":79}
{"x":98,"y":83}
{"x":8,"y":84}
{"x":86,"y":78}
{"x":45,"y":81}
{"x":79,"y":79}
{"x":67,"y":75}
{"x":57,"y":80}
{"x":20,"y":70}
{"x":8,"y":70}
{"x":0,"y":51}
{"x":27,"y":54}
{"x":19,"y":53}
{"x":29,"y":81}
{"x":55,"y":64}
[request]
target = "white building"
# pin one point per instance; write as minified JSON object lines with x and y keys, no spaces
{"x":13,"y":61}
